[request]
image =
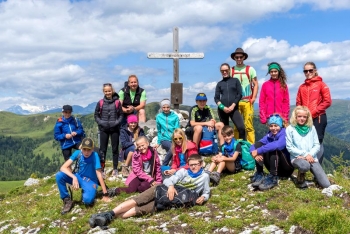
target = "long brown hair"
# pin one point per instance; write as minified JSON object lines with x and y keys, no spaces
{"x":282,"y":77}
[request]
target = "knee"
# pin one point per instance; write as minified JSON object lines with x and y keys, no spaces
{"x":88,"y":198}
{"x":197,"y":129}
{"x":59,"y":176}
{"x":219,"y":125}
{"x":142,"y":112}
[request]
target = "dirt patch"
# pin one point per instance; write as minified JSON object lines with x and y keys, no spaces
{"x":279,"y":214}
{"x":300,"y":230}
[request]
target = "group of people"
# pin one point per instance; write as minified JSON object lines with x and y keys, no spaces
{"x":297,"y":145}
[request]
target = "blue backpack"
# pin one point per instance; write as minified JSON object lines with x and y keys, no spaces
{"x":208,"y":144}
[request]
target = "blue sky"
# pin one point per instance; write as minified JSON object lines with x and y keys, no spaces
{"x":61,"y":52}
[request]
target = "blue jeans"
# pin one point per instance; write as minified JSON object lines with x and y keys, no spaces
{"x":167,"y":146}
{"x":88,"y":187}
{"x":315,"y":169}
{"x":128,"y":150}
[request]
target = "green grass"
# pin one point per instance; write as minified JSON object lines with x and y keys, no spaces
{"x":6,"y":186}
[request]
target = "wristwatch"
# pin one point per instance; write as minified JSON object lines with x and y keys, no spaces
{"x":105,"y":194}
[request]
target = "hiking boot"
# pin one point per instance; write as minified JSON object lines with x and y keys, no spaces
{"x":301,"y":180}
{"x":269,"y":182}
{"x":111,"y":192}
{"x":67,"y":205}
{"x":100,"y":220}
{"x":125,"y":171}
{"x":258,"y":178}
{"x":215,"y":178}
{"x":115,"y":173}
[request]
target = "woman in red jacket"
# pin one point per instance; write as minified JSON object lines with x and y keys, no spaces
{"x":274,"y":95}
{"x":315,"y":95}
{"x":181,"y":149}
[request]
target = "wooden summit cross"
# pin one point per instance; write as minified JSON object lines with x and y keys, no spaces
{"x":176,"y":87}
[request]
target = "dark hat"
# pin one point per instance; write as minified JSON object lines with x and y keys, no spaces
{"x":239,"y":51}
{"x":201,"y":97}
{"x":67,"y":108}
{"x":87,"y":143}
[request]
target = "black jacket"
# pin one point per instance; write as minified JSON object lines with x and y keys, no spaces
{"x":228,"y":91}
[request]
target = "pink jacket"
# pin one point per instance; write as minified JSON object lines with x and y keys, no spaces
{"x":137,"y":168}
{"x":273,"y":99}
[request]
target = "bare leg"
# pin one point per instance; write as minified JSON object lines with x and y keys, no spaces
{"x":197,"y":134}
{"x":127,"y":214}
{"x":218,"y":127}
{"x":221,"y":167}
{"x":231,"y":166}
{"x":212,"y":166}
{"x":142,"y":115}
{"x":128,"y":159}
{"x":124,"y":208}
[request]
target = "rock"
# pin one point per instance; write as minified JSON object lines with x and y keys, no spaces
{"x":33,"y":231}
{"x":292,"y":229}
{"x":163,"y":225}
{"x":184,"y":225}
{"x":329,"y":191}
{"x":270,"y":229}
{"x":242,"y":199}
{"x":31,"y":182}
{"x":19,"y":229}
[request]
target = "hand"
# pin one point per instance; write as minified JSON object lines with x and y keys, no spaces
{"x":171,"y":192}
{"x":226,"y":110}
{"x":254,"y":153}
{"x":75,"y":183}
{"x":210,"y":128}
{"x":68,"y":136}
{"x":106,"y":199}
{"x":232,"y":107}
{"x":210,"y":124}
{"x":169,"y":172}
{"x":259,"y":158}
{"x":300,"y":157}
{"x":74,"y":133}
{"x":252,"y":101}
{"x":220,"y":159}
{"x":156,"y":146}
{"x":213,"y":159}
{"x":154,"y":183}
{"x":309,"y":158}
{"x":200,"y":200}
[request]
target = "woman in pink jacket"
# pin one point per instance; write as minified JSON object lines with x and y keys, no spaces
{"x":274,"y":95}
{"x":145,"y":169}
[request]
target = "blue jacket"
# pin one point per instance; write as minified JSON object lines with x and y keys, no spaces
{"x":272,"y":143}
{"x":126,"y":137}
{"x":166,"y":124}
{"x":67,"y":126}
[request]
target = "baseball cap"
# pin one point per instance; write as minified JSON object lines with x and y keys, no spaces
{"x":67,"y":108}
{"x":87,"y":143}
{"x":201,"y":97}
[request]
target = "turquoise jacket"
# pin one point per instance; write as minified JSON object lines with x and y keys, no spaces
{"x":302,"y":145}
{"x":166,"y":124}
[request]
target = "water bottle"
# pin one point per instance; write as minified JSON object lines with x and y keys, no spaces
{"x":215,"y":146}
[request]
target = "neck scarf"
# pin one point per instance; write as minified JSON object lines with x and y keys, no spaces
{"x":302,"y":129}
{"x":228,"y":149}
{"x":147,"y":156}
{"x":195,"y":175}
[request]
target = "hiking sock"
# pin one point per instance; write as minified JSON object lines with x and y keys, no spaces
{"x":112,"y":213}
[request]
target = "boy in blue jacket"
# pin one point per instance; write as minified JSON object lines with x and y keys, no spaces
{"x":68,"y":131}
{"x":271,"y":151}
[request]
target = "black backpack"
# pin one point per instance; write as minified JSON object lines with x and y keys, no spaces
{"x":185,"y":198}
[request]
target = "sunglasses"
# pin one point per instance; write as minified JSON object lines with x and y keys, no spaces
{"x":276,"y":115}
{"x":177,"y":139}
{"x":223,"y":71}
{"x":308,"y":71}
{"x":194,"y":164}
{"x":107,"y":84}
{"x":239,"y":57}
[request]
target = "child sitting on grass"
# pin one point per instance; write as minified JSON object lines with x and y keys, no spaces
{"x":229,"y":158}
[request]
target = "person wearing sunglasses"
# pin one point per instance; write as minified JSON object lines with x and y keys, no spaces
{"x":144,"y":203}
{"x":228,"y":92}
{"x":303,"y":145}
{"x":271,"y":151}
{"x":247,"y":77}
{"x":68,"y":131}
{"x":108,"y":116}
{"x":181,"y":149}
{"x":274,"y":95}
{"x":315,"y":95}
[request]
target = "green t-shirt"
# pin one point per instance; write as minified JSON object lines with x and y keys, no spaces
{"x":241,"y":75}
{"x":132,"y":95}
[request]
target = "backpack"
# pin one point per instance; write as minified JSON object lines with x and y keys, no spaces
{"x":117,"y":102}
{"x":247,"y":73}
{"x":184,"y":198}
{"x":76,"y":165}
{"x":247,"y":161}
{"x":208,"y":144}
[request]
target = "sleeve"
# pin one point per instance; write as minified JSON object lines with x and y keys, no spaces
{"x":143,"y":96}
{"x":262,"y":104}
{"x":252,"y":73}
{"x":158,"y":171}
{"x":292,"y":149}
{"x":177,"y":121}
{"x":315,"y":143}
{"x":75,"y":155}
{"x":280,"y":144}
{"x":217,"y":93}
{"x":211,"y":113}
{"x":58,"y":133}
{"x":299,"y":100}
{"x":238,"y":148}
{"x":206,"y":188}
{"x":120,"y":114}
{"x":80,"y":131}
{"x":97,"y":161}
{"x":121,"y":95}
{"x":97,"y":114}
{"x":238,"y":95}
{"x":137,"y":168}
{"x":125,"y":139}
{"x":176,"y":162}
{"x":285,"y":104}
{"x":326,"y":99}
{"x":141,"y":132}
{"x":159,"y":128}
{"x":175,"y":178}
{"x":192,"y":115}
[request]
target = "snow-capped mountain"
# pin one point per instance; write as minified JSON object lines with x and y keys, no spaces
{"x":26,"y":109}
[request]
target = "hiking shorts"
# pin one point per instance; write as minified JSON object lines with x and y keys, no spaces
{"x":145,"y":201}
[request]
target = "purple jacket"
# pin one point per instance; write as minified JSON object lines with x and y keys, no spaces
{"x":137,"y":168}
{"x":271,"y":143}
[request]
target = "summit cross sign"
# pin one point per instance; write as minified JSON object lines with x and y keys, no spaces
{"x":176,"y":87}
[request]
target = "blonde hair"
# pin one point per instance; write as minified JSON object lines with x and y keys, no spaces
{"x":110,"y":85}
{"x":179,"y":131}
{"x":137,"y":79}
{"x":312,"y":64}
{"x":293,"y":118}
{"x":142,"y":138}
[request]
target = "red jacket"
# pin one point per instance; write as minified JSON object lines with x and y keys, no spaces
{"x":191,"y":149}
{"x":273,"y":99}
{"x":314,"y":94}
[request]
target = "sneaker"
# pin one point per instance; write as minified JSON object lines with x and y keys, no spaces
{"x":215,"y":178}
{"x":269,"y":182}
{"x":258,"y":179}
{"x":67,"y":205}
{"x":100,"y":220}
{"x":125,"y":171}
{"x":115,"y":173}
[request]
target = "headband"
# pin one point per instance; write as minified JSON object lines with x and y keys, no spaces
{"x":275,"y":120}
{"x":274,"y":66}
{"x":165,"y":102}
